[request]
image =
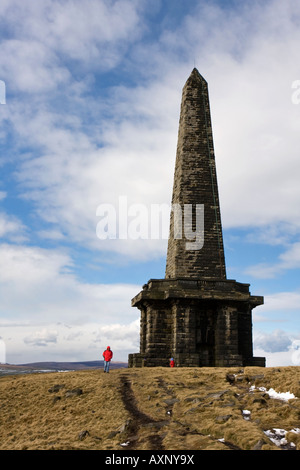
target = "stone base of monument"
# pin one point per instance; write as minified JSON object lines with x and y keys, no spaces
{"x":198,"y":322}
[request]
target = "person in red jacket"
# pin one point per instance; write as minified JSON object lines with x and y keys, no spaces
{"x":107,"y":355}
{"x":172,"y":362}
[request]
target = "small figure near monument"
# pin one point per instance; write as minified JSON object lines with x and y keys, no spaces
{"x":172,"y":362}
{"x":107,"y":356}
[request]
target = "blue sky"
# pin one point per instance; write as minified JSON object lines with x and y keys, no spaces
{"x":92,"y":100}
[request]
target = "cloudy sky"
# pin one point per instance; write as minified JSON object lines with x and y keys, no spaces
{"x":90,"y":98}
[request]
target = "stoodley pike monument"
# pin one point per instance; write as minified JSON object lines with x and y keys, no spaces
{"x":195,"y":314}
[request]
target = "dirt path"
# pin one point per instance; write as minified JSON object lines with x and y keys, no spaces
{"x":139,"y":419}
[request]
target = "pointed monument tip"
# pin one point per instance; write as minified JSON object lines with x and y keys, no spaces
{"x":195,"y":76}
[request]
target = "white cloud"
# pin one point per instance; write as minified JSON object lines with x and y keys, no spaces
{"x":2,"y":352}
{"x":71,"y":177}
{"x":288,"y":301}
{"x":46,"y":288}
{"x":277,"y":341}
{"x":275,"y":359}
{"x":290,"y":259}
{"x":119,"y":334}
{"x":92,"y":32}
{"x":51,"y":234}
{"x":133,"y":153}
{"x":66,"y":342}
{"x":279,"y":349}
{"x":44,"y":304}
{"x":12,"y":228}
{"x":296,"y":352}
{"x":31,"y":265}
{"x":30,"y":67}
{"x":42,"y":337}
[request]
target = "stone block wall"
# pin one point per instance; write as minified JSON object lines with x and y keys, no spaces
{"x":195,"y":183}
{"x":199,"y":323}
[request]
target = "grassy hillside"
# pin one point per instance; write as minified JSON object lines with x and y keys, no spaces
{"x":151,"y":408}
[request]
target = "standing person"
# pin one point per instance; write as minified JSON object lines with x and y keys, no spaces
{"x":107,"y":355}
{"x":172,"y":362}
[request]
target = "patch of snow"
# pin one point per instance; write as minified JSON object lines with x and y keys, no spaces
{"x":280,"y":396}
{"x":125,"y":444}
{"x":277,"y":436}
{"x":295,"y":430}
{"x":285,"y":396}
{"x":246,"y":414}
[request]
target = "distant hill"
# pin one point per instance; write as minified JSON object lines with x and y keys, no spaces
{"x":74,"y":365}
{"x":6,"y":369}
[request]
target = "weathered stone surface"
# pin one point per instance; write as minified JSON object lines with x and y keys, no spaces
{"x":171,"y":401}
{"x":223,"y":419}
{"x":74,"y":393}
{"x":195,"y":182}
{"x":56,"y":388}
{"x":125,"y":426}
{"x":56,"y":399}
{"x":195,"y":315}
{"x":83,"y":434}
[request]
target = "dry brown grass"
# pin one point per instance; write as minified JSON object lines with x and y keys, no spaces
{"x":150,"y":408}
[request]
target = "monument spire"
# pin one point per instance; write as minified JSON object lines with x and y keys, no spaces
{"x":195,"y":185}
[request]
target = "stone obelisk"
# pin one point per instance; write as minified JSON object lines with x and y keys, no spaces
{"x":195,"y":314}
{"x":195,"y":183}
